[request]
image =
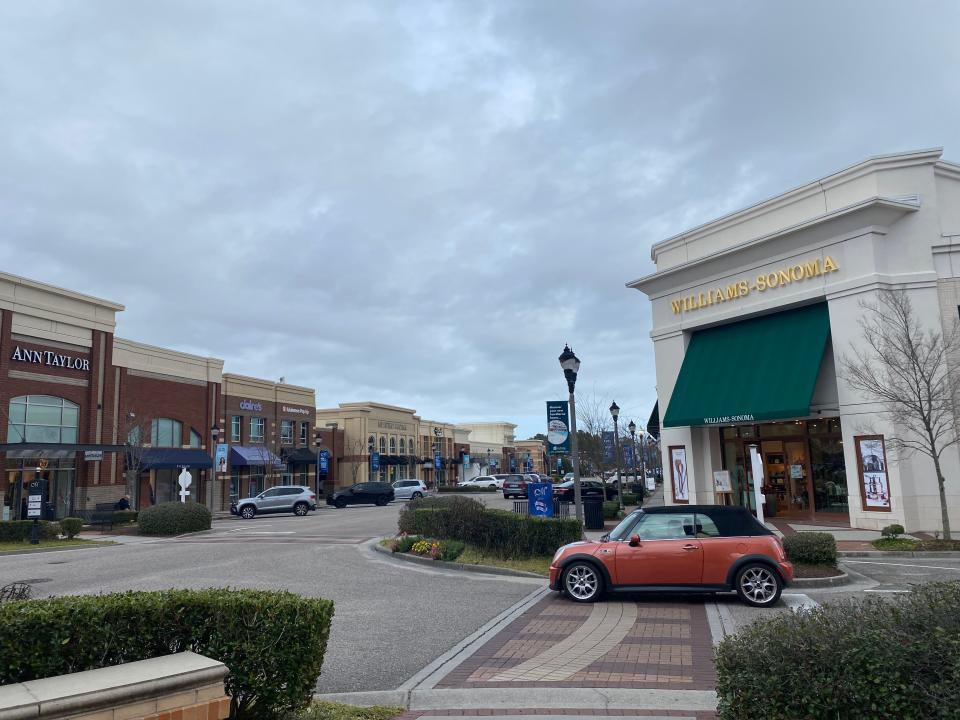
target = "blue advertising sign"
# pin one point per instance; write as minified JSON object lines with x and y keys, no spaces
{"x":529,"y":465}
{"x":323,"y":462}
{"x":626,"y":452}
{"x":466,"y":460}
{"x":558,"y":427}
{"x":437,"y":463}
{"x":540,"y":499}
{"x":513,"y":464}
{"x":609,"y":452}
{"x":374,"y":461}
{"x":220,"y":461}
{"x":559,"y":465}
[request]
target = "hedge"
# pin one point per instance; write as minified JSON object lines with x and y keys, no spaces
{"x":71,"y":526}
{"x":272,"y":642}
{"x":501,"y":533}
{"x":811,"y":548}
{"x":174,"y":518}
{"x":611,"y":510}
{"x":867,"y":659}
{"x":19,"y":530}
{"x":122,"y":517}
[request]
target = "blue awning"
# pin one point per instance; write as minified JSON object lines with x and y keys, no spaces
{"x":242,"y":456}
{"x":168,"y":458}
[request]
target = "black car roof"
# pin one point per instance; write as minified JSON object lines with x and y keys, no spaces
{"x":731,"y":520}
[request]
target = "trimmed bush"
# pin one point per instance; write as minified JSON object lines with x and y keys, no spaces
{"x":867,"y":659}
{"x":893,"y":531}
{"x":500,"y":533}
{"x":174,"y":518}
{"x":811,"y":548}
{"x":631,"y":499}
{"x":19,"y":530}
{"x":71,"y":526}
{"x":611,"y":509}
{"x":272,"y":642}
{"x":124,"y":517}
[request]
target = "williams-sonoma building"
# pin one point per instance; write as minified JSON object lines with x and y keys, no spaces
{"x":753,"y":312}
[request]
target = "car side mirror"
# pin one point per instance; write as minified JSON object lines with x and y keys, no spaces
{"x":634,"y":541}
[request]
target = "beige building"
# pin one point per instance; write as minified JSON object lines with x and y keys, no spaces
{"x":491,"y":446}
{"x":532,"y":454}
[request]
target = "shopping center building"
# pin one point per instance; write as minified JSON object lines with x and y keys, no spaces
{"x":752,"y":315}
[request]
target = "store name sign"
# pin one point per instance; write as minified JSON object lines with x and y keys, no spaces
{"x":763,"y":282}
{"x":52,"y":359}
{"x":727,"y":419}
{"x":298,"y":411}
{"x":251,"y":405}
{"x":387,"y":425}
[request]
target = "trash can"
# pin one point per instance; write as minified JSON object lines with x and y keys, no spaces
{"x":593,"y":512}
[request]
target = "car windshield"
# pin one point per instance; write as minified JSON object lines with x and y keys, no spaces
{"x":621,"y":531}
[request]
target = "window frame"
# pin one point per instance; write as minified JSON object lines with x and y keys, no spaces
{"x":286,"y":438}
{"x":305,"y":432}
{"x":236,"y":423}
{"x":261,"y":426}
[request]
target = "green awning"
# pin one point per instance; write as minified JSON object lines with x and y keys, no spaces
{"x":764,"y":368}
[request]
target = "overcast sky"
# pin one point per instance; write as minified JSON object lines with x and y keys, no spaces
{"x":419,"y":203}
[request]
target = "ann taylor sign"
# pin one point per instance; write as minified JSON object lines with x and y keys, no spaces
{"x":48,"y":357}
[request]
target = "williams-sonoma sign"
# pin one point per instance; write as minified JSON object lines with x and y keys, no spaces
{"x":52,"y":359}
{"x":763,"y":282}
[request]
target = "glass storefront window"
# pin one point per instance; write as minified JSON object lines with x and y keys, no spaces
{"x":781,"y":429}
{"x":42,"y":418}
{"x":166,"y":432}
{"x":829,"y":474}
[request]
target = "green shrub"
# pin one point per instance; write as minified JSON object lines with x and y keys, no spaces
{"x":403,"y":543}
{"x":811,"y":548}
{"x":272,"y":642}
{"x":500,"y":533}
{"x":71,"y":526}
{"x":19,"y":530}
{"x":174,"y":518}
{"x":450,"y":549}
{"x":124,"y":517}
{"x":893,"y":531}
{"x":454,"y":489}
{"x":611,"y":510}
{"x":867,"y":659}
{"x":631,"y":499}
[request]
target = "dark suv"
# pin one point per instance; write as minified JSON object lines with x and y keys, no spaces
{"x":367,"y":493}
{"x":514,"y":485}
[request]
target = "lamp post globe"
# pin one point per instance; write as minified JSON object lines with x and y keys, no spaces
{"x":570,"y":364}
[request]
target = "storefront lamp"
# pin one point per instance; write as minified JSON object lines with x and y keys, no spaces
{"x":632,"y":427}
{"x":215,"y":432}
{"x":615,"y":410}
{"x":571,"y":366}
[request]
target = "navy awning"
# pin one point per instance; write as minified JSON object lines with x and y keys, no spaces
{"x":168,"y":458}
{"x":300,"y":456}
{"x":241,"y":456}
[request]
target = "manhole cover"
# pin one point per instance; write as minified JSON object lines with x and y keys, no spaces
{"x":34,"y":581}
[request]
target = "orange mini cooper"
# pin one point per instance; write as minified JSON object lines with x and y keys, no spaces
{"x":677,"y":548}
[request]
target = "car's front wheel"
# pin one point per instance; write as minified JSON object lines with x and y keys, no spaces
{"x":247,"y":512}
{"x":759,"y":585}
{"x":301,"y":509}
{"x":582,"y":582}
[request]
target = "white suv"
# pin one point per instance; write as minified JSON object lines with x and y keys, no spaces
{"x":409,"y":489}
{"x":483,"y":481}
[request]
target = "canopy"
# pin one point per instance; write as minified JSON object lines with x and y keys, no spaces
{"x":764,"y":368}
{"x":241,"y":456}
{"x":301,"y":456}
{"x":167,"y":458}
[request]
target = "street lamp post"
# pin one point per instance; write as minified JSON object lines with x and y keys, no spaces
{"x":437,"y":433}
{"x":211,"y":491}
{"x":615,"y":413}
{"x":643,"y":467}
{"x":571,"y":366}
{"x":632,"y":427}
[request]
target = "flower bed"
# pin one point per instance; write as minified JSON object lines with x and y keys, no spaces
{"x":446,"y":550}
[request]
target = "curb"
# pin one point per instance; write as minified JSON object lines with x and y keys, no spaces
{"x":842,"y":579}
{"x":899,"y":553}
{"x":97,"y":546}
{"x":482,"y":569}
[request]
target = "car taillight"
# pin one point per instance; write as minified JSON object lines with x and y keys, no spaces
{"x":313,"y":497}
{"x":780,"y":549}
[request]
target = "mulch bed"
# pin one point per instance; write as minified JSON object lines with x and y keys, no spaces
{"x":816,"y":571}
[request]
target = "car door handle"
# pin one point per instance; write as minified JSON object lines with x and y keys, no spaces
{"x":690,"y":547}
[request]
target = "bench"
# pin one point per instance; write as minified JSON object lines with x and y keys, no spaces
{"x":102,"y":516}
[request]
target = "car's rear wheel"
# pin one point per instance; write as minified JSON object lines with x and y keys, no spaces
{"x":301,"y":509}
{"x":759,"y":585}
{"x":417,"y":495}
{"x":340,"y":503}
{"x":247,"y":512}
{"x":582,"y":582}
{"x":381,"y":501}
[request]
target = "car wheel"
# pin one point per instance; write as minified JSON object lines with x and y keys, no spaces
{"x":381,"y":501}
{"x":759,"y":585}
{"x":492,"y":487}
{"x":301,"y":509}
{"x":340,"y":503}
{"x":582,"y":582}
{"x":247,"y":512}
{"x":417,"y":495}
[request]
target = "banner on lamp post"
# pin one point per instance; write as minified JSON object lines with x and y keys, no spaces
{"x":558,"y":427}
{"x":609,"y":448}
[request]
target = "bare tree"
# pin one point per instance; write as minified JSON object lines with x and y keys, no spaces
{"x":133,"y":431}
{"x":355,"y":448}
{"x":910,"y":372}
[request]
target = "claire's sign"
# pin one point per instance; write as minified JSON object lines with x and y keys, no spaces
{"x":49,"y":358}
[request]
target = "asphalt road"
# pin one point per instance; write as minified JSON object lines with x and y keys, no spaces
{"x":391,"y":619}
{"x":897,"y":574}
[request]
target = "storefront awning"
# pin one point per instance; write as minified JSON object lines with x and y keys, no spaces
{"x":300,"y":456}
{"x":169,"y":458}
{"x":241,"y":456}
{"x":760,"y":369}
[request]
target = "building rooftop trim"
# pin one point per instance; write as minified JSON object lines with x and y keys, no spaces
{"x":501,"y":423}
{"x":126,"y":343}
{"x":905,"y":159}
{"x":368,"y":404}
{"x":904,"y":205}
{"x":46,"y":287}
{"x":234,"y":377}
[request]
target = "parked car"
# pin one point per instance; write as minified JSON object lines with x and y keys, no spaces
{"x":482,"y":481}
{"x":366,"y":493}
{"x":514,"y":486}
{"x":409,"y":489}
{"x":588,"y":488}
{"x":568,"y":476}
{"x":297,"y":499}
{"x":689,"y":548}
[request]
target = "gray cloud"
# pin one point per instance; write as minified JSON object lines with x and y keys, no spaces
{"x":418,"y":202}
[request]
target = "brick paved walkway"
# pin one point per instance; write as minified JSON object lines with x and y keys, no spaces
{"x":648,"y":645}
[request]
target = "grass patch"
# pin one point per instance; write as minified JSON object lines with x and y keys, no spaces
{"x":816,"y":571}
{"x":889,"y":543}
{"x":335,"y":711}
{"x":539,"y":564}
{"x":47,"y":544}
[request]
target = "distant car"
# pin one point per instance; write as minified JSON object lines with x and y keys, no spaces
{"x":483,"y":481}
{"x":568,"y":476}
{"x":588,"y":488}
{"x":409,"y":489}
{"x":367,"y":493}
{"x":677,"y":548}
{"x":297,"y":499}
{"x":514,"y":486}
